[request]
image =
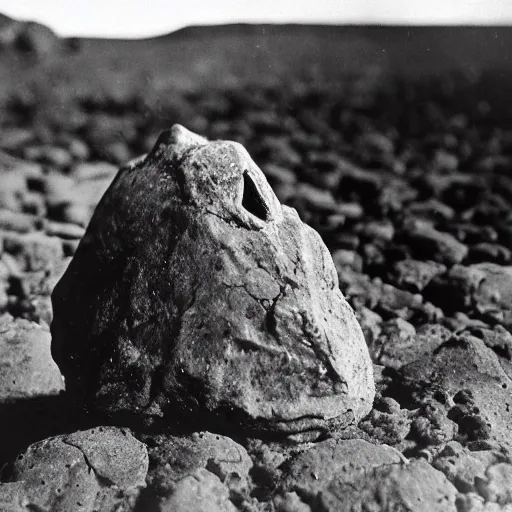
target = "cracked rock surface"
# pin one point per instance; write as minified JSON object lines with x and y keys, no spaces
{"x":195,"y":293}
{"x":101,"y":469}
{"x":408,"y":182}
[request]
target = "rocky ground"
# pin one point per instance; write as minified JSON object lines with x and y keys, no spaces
{"x":409,"y":184}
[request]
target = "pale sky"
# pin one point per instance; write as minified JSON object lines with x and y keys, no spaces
{"x":130,"y":18}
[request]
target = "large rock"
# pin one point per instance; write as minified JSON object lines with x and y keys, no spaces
{"x":194,"y":291}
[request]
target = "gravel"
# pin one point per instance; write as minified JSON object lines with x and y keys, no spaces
{"x":407,"y":183}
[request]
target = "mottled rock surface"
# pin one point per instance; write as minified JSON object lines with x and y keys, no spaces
{"x":196,"y":472}
{"x":26,"y":366}
{"x":102,"y":469}
{"x":194,"y":291}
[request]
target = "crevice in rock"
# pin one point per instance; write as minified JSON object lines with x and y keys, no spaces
{"x":102,"y":480}
{"x":252,"y":200}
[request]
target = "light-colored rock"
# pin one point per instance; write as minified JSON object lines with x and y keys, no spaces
{"x":101,"y":469}
{"x":311,"y":471}
{"x":209,"y":300}
{"x":26,"y":365}
{"x":415,"y":486}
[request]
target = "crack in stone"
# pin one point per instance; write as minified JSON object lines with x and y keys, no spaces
{"x":103,"y":481}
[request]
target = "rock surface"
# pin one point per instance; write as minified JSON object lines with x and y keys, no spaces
{"x":195,"y":472}
{"x":101,"y":469}
{"x":26,"y":366}
{"x":194,"y":291}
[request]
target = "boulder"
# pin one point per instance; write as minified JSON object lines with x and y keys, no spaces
{"x":195,"y":294}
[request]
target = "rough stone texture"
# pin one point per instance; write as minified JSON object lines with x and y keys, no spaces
{"x":312,"y":470}
{"x":194,"y":291}
{"x":415,"y":486}
{"x":464,"y":469}
{"x":399,"y":343}
{"x":173,"y":458}
{"x":101,"y":469}
{"x":26,"y":366}
{"x":470,"y":374}
{"x":194,"y":470}
{"x":356,"y":475}
{"x":201,"y":492}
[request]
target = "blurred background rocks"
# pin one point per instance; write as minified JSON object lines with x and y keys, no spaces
{"x":395,"y":144}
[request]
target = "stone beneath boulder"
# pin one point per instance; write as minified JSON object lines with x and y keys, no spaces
{"x":101,"y":469}
{"x":190,"y":472}
{"x":26,"y":365}
{"x":357,"y":475}
{"x":173,"y":458}
{"x":194,"y":295}
{"x":202,"y":492}
{"x":414,"y":486}
{"x":311,"y":471}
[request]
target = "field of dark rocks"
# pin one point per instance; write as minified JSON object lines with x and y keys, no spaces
{"x":408,"y":180}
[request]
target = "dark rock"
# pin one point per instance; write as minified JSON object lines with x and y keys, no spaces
{"x":278,"y":174}
{"x":415,"y":275}
{"x":220,"y":276}
{"x":428,"y":243}
{"x":36,"y":39}
{"x":454,"y":291}
{"x":494,"y":253}
{"x":314,"y":198}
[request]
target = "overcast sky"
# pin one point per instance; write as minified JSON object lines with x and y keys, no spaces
{"x":131,"y":18}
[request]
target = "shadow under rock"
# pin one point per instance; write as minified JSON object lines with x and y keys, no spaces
{"x":26,"y":421}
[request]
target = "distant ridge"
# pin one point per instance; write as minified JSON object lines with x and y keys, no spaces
{"x":232,"y":55}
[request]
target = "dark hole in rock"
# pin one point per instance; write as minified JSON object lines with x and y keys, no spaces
{"x":252,"y":200}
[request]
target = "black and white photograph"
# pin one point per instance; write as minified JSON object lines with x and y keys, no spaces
{"x":256,"y":256}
